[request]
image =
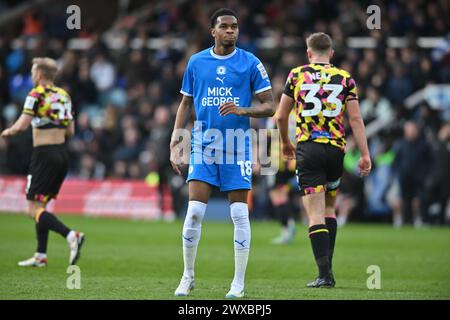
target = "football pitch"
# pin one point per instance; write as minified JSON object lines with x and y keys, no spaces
{"x":125,"y":259}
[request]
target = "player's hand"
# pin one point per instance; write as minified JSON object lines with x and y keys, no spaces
{"x":175,"y":159}
{"x":288,"y":150}
{"x":6,"y":133}
{"x":365,"y":165}
{"x":257,"y":168}
{"x":230,"y":108}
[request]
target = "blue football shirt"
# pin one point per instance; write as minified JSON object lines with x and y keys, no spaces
{"x":212,"y":80}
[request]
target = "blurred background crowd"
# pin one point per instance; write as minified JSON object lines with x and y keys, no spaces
{"x":124,"y":68}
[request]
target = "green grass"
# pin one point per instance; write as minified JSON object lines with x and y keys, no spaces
{"x":143,"y":260}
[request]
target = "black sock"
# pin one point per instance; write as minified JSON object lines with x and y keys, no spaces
{"x":282,"y":212}
{"x":332,"y":231}
{"x":50,"y":222}
{"x":320,"y":242}
{"x":42,"y":238}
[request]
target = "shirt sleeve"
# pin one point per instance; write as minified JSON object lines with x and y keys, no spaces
{"x":70,"y":110}
{"x":260,"y":79}
{"x":352,"y":91}
{"x":31,"y":103}
{"x":290,"y":85}
{"x":187,"y":87}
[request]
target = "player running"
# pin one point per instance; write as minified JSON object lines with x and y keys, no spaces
{"x":220,"y":82}
{"x":321,"y":94}
{"x":49,"y":110}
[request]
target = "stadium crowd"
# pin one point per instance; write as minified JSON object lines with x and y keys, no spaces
{"x":125,"y":98}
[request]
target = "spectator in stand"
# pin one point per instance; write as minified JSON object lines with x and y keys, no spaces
{"x":103,"y":73}
{"x":90,"y":168}
{"x":413,"y":163}
{"x":376,"y":111}
{"x":437,"y":189}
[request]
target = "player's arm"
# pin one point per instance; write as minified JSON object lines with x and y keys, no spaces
{"x":20,"y":125}
{"x":70,"y":130}
{"x":24,"y":121}
{"x":282,"y":118}
{"x":359,"y":133}
{"x":181,"y":118}
{"x":263,"y":110}
{"x":180,"y":122}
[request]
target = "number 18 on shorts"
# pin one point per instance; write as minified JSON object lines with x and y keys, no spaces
{"x":225,"y":176}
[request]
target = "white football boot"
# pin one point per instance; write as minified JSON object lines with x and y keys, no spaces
{"x":185,"y":287}
{"x":236,"y":291}
{"x":234,"y":294}
{"x":34,"y":261}
{"x":75,"y":241}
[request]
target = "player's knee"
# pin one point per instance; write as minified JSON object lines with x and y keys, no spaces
{"x":195,"y":213}
{"x":30,"y":212}
{"x":194,"y":218}
{"x":330,"y":213}
{"x":330,"y":197}
{"x":34,"y":212}
{"x":239,"y":213}
{"x":330,"y":202}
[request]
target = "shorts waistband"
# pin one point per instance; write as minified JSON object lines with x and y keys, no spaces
{"x":50,"y":146}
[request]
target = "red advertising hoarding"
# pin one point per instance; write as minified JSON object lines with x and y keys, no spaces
{"x":112,"y":198}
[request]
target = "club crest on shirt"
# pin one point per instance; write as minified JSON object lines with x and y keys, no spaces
{"x":221,"y":70}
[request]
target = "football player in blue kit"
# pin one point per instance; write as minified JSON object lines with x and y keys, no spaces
{"x":220,"y":82}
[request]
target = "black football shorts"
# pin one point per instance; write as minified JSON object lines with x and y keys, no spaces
{"x":48,"y":168}
{"x":319,"y":167}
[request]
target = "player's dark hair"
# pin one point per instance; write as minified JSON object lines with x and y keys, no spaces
{"x":319,"y":42}
{"x":221,"y":12}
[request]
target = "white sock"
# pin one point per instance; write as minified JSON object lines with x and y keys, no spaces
{"x":40,"y":255}
{"x":192,"y":230}
{"x":71,"y":236}
{"x":291,"y":224}
{"x":341,"y":221}
{"x":242,"y":237}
